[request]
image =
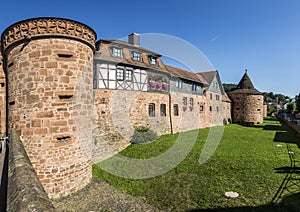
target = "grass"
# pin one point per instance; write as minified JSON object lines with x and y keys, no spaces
{"x":247,"y":161}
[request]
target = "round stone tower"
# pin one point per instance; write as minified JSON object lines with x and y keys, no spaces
{"x":49,"y":68}
{"x":248,"y":103}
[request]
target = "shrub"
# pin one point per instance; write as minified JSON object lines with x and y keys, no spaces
{"x":143,"y":135}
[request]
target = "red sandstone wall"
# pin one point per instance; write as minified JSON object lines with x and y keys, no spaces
{"x":2,"y":98}
{"x":117,"y":112}
{"x":56,"y":132}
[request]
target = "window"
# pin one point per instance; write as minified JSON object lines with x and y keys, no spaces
{"x":217,"y":97}
{"x":116,"y":52}
{"x":201,"y":108}
{"x":210,"y":108}
{"x":176,"y":111}
{"x":163,"y":110}
{"x":128,"y":75}
{"x":136,"y":56}
{"x":124,"y":74}
{"x":120,"y":74}
{"x":184,"y":103}
{"x":151,"y":110}
{"x":191,"y":104}
{"x":210,"y":96}
{"x":178,"y":84}
{"x":194,"y":87}
{"x":217,"y":109}
{"x":152,"y":60}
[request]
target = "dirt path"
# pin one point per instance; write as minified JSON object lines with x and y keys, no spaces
{"x":100,"y":196}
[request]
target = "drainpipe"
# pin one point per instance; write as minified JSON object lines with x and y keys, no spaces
{"x":170,"y":111}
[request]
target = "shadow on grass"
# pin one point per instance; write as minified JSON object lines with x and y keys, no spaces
{"x":285,"y":199}
{"x":274,"y":127}
{"x":287,"y":203}
{"x":287,"y":135}
{"x":283,"y":134}
{"x":273,"y":208}
{"x":269,"y":118}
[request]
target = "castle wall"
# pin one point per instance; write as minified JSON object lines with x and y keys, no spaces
{"x":50,"y":102}
{"x":118,"y":112}
{"x":2,"y":98}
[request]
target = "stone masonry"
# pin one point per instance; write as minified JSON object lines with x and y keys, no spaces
{"x":248,"y":103}
{"x":2,"y":97}
{"x":48,"y":63}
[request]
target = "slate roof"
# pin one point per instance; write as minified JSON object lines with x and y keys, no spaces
{"x":208,"y":76}
{"x":184,"y":74}
{"x":245,"y":86}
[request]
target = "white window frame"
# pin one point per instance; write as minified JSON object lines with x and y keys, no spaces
{"x":117,"y":52}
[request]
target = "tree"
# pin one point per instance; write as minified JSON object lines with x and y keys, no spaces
{"x":291,"y":107}
{"x":271,"y":110}
{"x":298,"y":103}
{"x":229,"y":87}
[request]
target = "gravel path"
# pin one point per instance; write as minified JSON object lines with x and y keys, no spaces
{"x":100,"y":196}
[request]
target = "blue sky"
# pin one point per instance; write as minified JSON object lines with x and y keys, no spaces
{"x":262,"y":36}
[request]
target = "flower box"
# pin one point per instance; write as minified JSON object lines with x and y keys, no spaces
{"x":159,"y":85}
{"x":166,"y":86}
{"x":153,"y":84}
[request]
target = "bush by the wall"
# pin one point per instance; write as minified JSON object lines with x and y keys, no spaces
{"x":143,"y":135}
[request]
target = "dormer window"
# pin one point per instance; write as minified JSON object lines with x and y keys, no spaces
{"x":116,"y":52}
{"x":153,"y":60}
{"x":136,"y":56}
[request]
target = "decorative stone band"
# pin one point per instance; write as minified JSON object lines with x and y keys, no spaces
{"x":37,"y":28}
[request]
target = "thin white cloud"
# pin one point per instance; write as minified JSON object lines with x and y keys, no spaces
{"x":215,"y":38}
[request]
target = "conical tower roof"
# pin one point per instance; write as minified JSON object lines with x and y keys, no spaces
{"x":246,"y":86}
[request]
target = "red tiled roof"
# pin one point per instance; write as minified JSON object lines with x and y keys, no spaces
{"x":106,"y":55}
{"x":128,"y":45}
{"x":185,"y":74}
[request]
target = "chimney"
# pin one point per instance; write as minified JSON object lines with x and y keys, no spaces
{"x":134,"y":39}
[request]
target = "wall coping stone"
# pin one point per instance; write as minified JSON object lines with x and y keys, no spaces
{"x":25,"y":191}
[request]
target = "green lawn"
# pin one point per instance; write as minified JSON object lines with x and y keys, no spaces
{"x":247,"y":161}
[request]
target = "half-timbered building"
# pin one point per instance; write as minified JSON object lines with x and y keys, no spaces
{"x":133,"y":87}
